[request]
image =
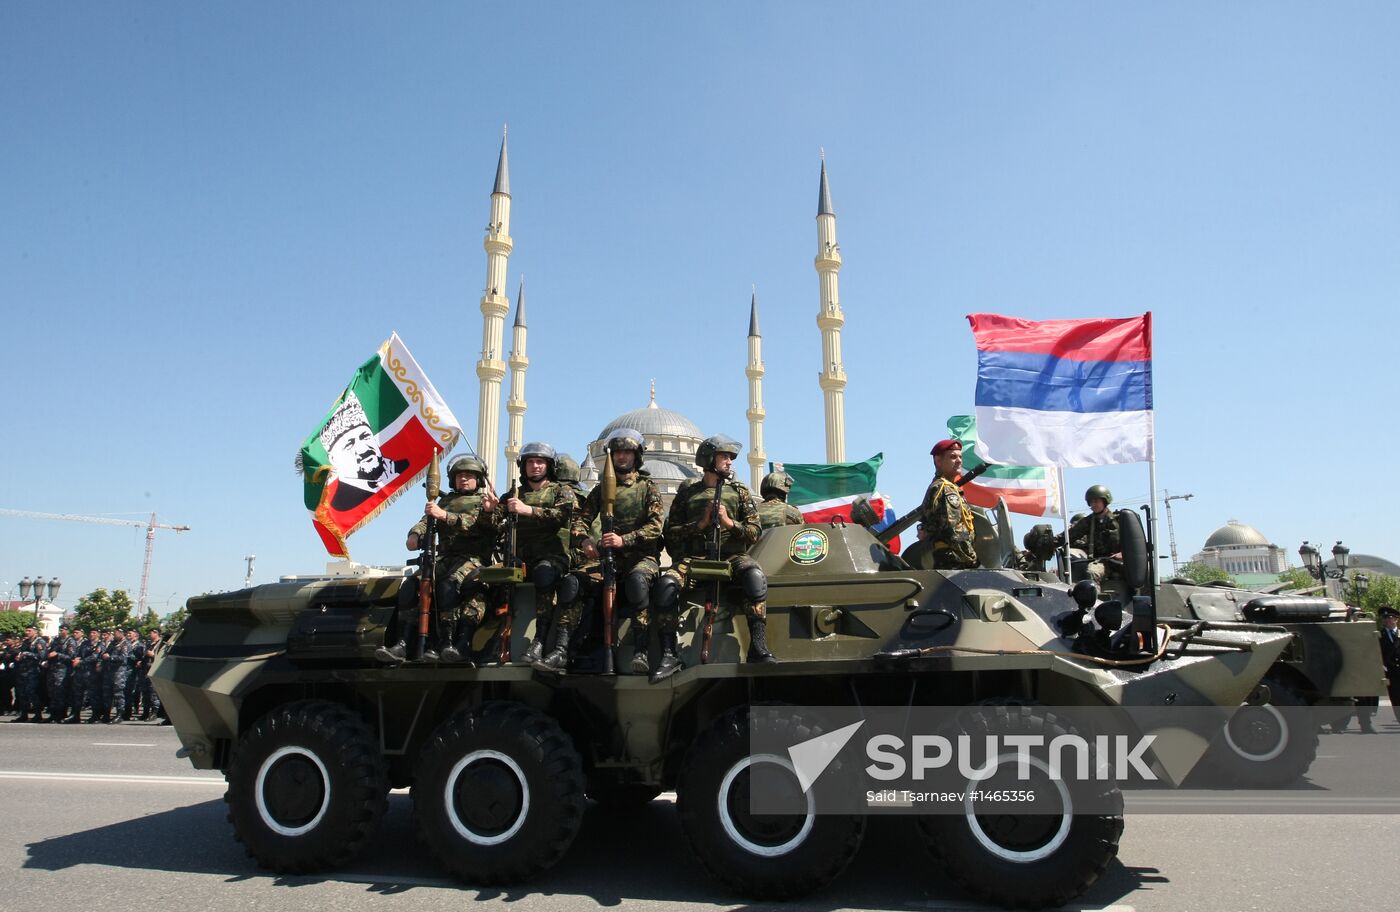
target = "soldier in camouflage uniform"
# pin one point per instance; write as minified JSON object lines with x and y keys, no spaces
{"x":466,"y":528}
{"x":543,"y":507}
{"x":688,"y":533}
{"x":80,"y":678}
{"x":57,"y":661}
{"x":114,"y":676}
{"x":1097,"y":533}
{"x":135,"y":663}
{"x":27,"y":661}
{"x":636,"y":537}
{"x":775,"y":510}
{"x":150,"y":700}
{"x":9,"y":651}
{"x":946,"y":518}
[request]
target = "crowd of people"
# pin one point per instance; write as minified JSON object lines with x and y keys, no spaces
{"x":57,"y":678}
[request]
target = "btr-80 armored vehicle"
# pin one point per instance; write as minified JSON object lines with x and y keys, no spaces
{"x":277,"y":687}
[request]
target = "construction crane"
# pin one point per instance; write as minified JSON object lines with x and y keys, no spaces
{"x":150,"y":526}
{"x":1171,"y":529}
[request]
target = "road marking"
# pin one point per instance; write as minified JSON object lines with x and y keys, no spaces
{"x":953,"y":906}
{"x":110,"y":777}
{"x":119,"y":744}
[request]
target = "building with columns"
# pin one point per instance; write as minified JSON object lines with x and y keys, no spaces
{"x":671,"y":438}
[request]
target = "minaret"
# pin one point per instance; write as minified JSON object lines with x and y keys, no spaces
{"x":755,"y":413}
{"x":494,"y":305}
{"x":515,"y":405}
{"x":830,"y":320}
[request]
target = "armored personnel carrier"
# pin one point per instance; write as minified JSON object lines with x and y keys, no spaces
{"x":276,"y":686}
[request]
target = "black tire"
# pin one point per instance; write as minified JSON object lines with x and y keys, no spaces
{"x":1028,"y":860}
{"x":498,"y":793}
{"x":306,"y":787}
{"x":762,"y":857}
{"x":1265,"y":746}
{"x":623,"y":795}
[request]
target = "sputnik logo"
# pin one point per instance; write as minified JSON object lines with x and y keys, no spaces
{"x":810,"y":758}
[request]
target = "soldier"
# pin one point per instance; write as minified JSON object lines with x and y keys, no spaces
{"x":466,"y":528}
{"x":150,"y":701}
{"x":97,"y":684}
{"x":689,"y":528}
{"x":636,"y":536}
{"x":542,"y":507}
{"x":1390,"y":656}
{"x":114,"y":675}
{"x":28,"y":664}
{"x":9,"y":651}
{"x":775,"y":510}
{"x":1097,"y":533}
{"x":946,"y":518}
{"x":80,"y":677}
{"x":135,"y":662}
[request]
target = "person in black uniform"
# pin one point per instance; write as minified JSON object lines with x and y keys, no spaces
{"x":1390,"y":656}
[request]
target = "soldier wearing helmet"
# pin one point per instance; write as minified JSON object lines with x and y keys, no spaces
{"x":775,"y":510}
{"x":542,"y":506}
{"x":1095,"y":534}
{"x":688,"y":530}
{"x":466,"y":529}
{"x":636,"y":536}
{"x":945,"y":516}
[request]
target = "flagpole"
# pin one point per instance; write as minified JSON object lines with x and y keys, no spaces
{"x":1152,"y":520}
{"x":1064,"y":518}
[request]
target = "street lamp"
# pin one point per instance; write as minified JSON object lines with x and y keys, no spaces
{"x":1316,"y":566}
{"x":37,"y":586}
{"x":1360,"y":583}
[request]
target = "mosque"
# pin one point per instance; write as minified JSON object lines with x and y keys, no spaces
{"x":670,"y":437}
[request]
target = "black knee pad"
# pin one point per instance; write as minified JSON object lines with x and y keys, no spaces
{"x":545,"y":576}
{"x":567,"y":590}
{"x":636,"y":589}
{"x":754,"y":584}
{"x":666,"y":595}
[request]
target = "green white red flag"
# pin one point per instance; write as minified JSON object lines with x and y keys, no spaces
{"x":826,"y":491}
{"x":378,"y":439}
{"x":1030,"y":490}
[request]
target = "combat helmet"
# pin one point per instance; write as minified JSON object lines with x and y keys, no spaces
{"x":711,"y":446}
{"x":1040,"y":541}
{"x":566,"y":470}
{"x":626,"y":438}
{"x":467,"y":464}
{"x":1100,"y":492}
{"x":775,"y":484}
{"x":542,"y":450}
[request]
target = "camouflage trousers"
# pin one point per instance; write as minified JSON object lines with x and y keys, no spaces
{"x":27,"y":688}
{"x":550,"y":576}
{"x":58,"y":687}
{"x":114,"y":691}
{"x":738,"y":564}
{"x":457,"y":595}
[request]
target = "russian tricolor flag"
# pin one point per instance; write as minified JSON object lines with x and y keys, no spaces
{"x":1067,"y":393}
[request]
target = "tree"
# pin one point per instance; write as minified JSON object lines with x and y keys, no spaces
{"x":1298,"y":578}
{"x":1383,"y":590}
{"x":173,"y":623}
{"x":15,"y":622}
{"x":100,"y":609}
{"x":1201,"y":574}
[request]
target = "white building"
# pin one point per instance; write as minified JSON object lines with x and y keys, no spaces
{"x":1239,"y":549}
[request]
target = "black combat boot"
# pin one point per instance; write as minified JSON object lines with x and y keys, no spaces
{"x":392,"y":655}
{"x":22,"y":717}
{"x":641,"y":645}
{"x":535,"y":651}
{"x":74,"y":718}
{"x":461,"y":651}
{"x":558,"y":658}
{"x":758,"y":642}
{"x":670,"y":662}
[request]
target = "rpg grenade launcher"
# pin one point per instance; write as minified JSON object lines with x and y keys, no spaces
{"x":506,"y":575}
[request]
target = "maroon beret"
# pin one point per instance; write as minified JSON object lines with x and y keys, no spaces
{"x":944,"y":446}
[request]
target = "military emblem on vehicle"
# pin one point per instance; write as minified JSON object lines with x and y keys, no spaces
{"x":808,"y":546}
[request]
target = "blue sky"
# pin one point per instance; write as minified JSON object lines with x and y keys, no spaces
{"x":211,"y":214}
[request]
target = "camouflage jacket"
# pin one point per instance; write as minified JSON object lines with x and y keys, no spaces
{"x":637,"y":516}
{"x":31,"y":653}
{"x":1096,"y":535}
{"x":114,"y":657}
{"x":685,"y":538}
{"x":775,"y":512}
{"x":537,"y":535}
{"x":467,"y":532}
{"x":948,"y":521}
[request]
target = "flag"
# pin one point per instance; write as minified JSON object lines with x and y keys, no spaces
{"x":823,"y":492}
{"x":378,"y":439}
{"x":1026,"y":489}
{"x":1067,"y":393}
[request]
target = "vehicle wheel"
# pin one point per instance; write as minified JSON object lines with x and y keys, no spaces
{"x":623,"y":795}
{"x":1266,"y":745}
{"x":306,"y":787}
{"x":498,"y":794}
{"x":1028,"y":860}
{"x":760,"y":856}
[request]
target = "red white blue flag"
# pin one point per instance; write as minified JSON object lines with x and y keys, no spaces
{"x":1067,"y":393}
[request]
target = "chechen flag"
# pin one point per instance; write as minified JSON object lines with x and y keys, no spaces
{"x":826,"y":491}
{"x":378,"y":439}
{"x":1026,"y":489}
{"x":1067,"y":393}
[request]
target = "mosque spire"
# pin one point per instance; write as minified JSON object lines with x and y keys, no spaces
{"x":832,"y":377}
{"x":502,"y":169}
{"x":515,"y":405}
{"x":495,"y":304}
{"x":755,"y":414}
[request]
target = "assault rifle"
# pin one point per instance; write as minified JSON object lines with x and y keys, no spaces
{"x":427,"y":561}
{"x":608,"y":562}
{"x":712,"y":568}
{"x":506,"y":575}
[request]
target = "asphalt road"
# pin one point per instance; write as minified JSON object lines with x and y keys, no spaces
{"x":96,"y":817}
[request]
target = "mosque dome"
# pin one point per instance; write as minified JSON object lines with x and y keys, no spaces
{"x":1236,"y":534}
{"x":653,"y":421}
{"x":670,"y":438}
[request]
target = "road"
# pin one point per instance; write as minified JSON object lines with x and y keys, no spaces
{"x":113,"y":814}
